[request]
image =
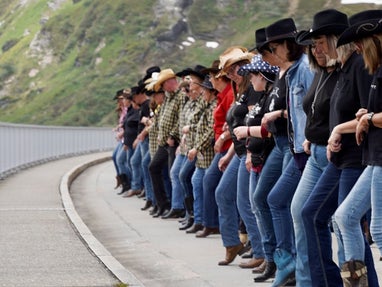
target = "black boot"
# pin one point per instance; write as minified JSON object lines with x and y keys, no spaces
{"x":119,"y":181}
{"x":269,"y":272}
{"x":189,"y":205}
{"x":148,"y":204}
{"x":154,"y":210}
{"x":125,"y":183}
{"x":187,"y":224}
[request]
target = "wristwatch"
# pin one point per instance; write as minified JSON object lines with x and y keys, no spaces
{"x":370,"y":119}
{"x":222,"y":136}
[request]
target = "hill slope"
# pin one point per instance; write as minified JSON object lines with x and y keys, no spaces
{"x":61,"y":61}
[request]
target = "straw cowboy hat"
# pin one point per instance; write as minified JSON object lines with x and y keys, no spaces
{"x":150,"y":82}
{"x":326,"y":22}
{"x":233,"y":55}
{"x":363,"y":24}
{"x":163,"y":76}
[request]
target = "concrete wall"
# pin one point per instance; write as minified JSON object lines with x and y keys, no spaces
{"x":22,"y":146}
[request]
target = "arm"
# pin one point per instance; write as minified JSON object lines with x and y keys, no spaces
{"x":334,"y":141}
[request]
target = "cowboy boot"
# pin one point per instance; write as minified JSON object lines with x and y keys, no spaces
{"x":270,"y":269}
{"x":286,"y":266}
{"x":119,"y":181}
{"x":354,"y":274}
{"x":125,"y":183}
{"x":231,"y":253}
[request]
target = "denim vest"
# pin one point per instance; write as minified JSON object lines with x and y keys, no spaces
{"x":299,"y":78}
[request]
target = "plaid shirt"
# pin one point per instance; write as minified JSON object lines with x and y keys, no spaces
{"x":204,"y":136}
{"x":169,"y":117}
{"x":153,"y":131}
{"x":190,"y":116}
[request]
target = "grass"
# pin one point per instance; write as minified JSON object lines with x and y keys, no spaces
{"x":74,"y":89}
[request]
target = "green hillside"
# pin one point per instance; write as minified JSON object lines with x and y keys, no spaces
{"x":61,"y":61}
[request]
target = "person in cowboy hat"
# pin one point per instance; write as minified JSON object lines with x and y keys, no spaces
{"x":202,"y":151}
{"x":320,"y":40}
{"x":221,"y":145}
{"x":232,"y":192}
{"x":262,"y":78}
{"x":182,"y":169}
{"x":344,"y":164}
{"x":366,"y":32}
{"x":285,"y":119}
{"x":157,"y":99}
{"x":168,"y":136}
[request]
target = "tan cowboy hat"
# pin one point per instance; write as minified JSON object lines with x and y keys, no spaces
{"x":233,"y":55}
{"x":163,"y":76}
{"x":150,"y":82}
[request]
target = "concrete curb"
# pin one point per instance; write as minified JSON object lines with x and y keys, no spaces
{"x":83,"y":231}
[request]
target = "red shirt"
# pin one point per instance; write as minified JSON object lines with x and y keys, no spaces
{"x":225,"y":100}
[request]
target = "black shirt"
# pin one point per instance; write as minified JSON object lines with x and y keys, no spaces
{"x":372,"y":148}
{"x":350,"y":94}
{"x":236,"y":118}
{"x":259,"y":148}
{"x":144,"y":111}
{"x":277,"y":101}
{"x":130,"y":126}
{"x":316,"y":106}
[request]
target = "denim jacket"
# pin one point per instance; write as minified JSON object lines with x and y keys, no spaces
{"x":299,"y":78}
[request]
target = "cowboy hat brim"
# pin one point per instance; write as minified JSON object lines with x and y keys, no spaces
{"x":359,"y":31}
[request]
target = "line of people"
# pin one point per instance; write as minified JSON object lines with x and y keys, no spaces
{"x":274,"y":148}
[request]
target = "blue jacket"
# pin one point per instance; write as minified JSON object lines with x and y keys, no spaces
{"x":299,"y":78}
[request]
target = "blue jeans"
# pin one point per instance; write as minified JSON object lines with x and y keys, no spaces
{"x":333,"y":184}
{"x":210,"y":182}
{"x":376,"y":207}
{"x":136,"y":167}
{"x":145,"y":150}
{"x":226,"y":200}
{"x":185,"y":176}
{"x":123,"y":161}
{"x":114,"y":156}
{"x":177,"y":199}
{"x":312,"y":172}
{"x":197,"y":184}
{"x":245,"y":209}
{"x":146,"y":173}
{"x":279,"y":200}
{"x":348,"y":217}
{"x":275,"y":163}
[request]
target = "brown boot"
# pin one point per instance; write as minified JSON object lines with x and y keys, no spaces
{"x":354,"y":274}
{"x":231,"y":253}
{"x":207,"y":231}
{"x":254,"y":262}
{"x":260,"y":269}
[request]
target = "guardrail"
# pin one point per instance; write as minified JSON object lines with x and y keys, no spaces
{"x":22,"y":146}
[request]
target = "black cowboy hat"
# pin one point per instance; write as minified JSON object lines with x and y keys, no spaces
{"x":196,"y":71}
{"x":214,"y":69}
{"x":260,"y":38}
{"x":327,"y":22}
{"x":280,"y":30}
{"x":363,"y":24}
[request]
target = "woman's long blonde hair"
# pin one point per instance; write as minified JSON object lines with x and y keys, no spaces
{"x":372,"y":52}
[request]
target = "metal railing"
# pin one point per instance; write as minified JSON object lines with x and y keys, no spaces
{"x":22,"y":146}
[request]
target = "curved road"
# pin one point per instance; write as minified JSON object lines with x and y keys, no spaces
{"x":153,"y":249}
